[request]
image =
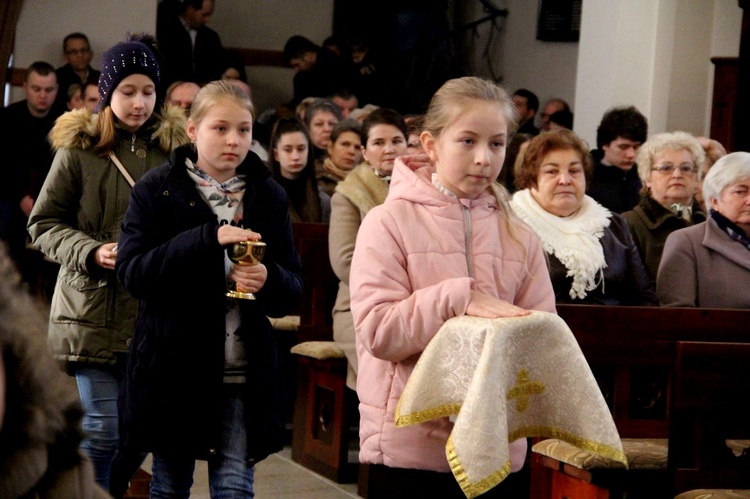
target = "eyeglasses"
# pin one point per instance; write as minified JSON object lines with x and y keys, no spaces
{"x":685,"y":169}
{"x":78,"y":52}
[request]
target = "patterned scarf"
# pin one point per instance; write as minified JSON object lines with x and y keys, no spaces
{"x":735,"y":232}
{"x":685,"y":211}
{"x":225,"y":194}
{"x":225,"y":200}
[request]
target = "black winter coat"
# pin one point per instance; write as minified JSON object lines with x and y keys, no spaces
{"x":170,"y":259}
{"x":625,"y":279}
{"x":615,"y":189}
{"x":202,"y":63}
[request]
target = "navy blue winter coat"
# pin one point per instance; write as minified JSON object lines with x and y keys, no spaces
{"x":169,"y":258}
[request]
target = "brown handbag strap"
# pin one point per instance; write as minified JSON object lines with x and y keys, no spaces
{"x":122,"y":169}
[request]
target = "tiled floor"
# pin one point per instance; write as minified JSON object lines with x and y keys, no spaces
{"x":278,"y":477}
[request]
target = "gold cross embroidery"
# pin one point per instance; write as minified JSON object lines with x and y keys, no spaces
{"x":523,"y":389}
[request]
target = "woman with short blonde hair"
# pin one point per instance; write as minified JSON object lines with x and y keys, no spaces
{"x":670,"y":167}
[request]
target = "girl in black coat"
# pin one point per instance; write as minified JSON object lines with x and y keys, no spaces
{"x":204,"y":377}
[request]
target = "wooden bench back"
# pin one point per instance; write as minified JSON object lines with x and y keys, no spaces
{"x":631,"y":351}
{"x":708,"y":408}
{"x":321,"y":284}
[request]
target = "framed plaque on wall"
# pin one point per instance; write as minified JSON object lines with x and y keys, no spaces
{"x":559,"y":20}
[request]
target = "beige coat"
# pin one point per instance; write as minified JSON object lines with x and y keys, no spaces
{"x":355,"y":196}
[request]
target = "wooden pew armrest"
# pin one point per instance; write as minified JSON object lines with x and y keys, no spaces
{"x":642,"y":453}
{"x":320,"y":350}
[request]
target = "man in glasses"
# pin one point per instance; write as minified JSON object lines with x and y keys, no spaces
{"x":77,"y":54}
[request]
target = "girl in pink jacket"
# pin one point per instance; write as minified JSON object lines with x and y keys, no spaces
{"x":444,"y":244}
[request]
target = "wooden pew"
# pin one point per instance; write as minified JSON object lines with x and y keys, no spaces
{"x":709,"y":427}
{"x":321,"y":284}
{"x":627,"y":347}
{"x":323,"y":406}
{"x":631,"y":351}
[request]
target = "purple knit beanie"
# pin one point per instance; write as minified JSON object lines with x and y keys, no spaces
{"x":133,"y":56}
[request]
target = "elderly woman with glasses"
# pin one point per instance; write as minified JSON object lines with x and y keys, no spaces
{"x":708,"y":265}
{"x":669,"y":165}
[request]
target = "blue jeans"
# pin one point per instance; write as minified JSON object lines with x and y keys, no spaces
{"x":98,"y":388}
{"x":229,"y":475}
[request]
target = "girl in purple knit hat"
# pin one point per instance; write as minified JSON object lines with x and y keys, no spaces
{"x":76,"y":222}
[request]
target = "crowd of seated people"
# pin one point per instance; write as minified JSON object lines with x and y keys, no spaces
{"x":641,"y":220}
{"x":415,"y":125}
{"x":708,"y":264}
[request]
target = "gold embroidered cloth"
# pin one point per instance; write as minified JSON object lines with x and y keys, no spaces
{"x":505,"y":379}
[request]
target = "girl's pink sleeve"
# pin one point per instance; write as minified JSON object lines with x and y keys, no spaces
{"x":393,"y":321}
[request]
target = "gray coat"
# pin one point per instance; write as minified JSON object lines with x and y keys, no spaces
{"x":702,"y":267}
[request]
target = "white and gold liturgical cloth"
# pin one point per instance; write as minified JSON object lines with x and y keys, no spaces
{"x":505,"y":379}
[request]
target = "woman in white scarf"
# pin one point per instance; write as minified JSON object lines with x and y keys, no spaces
{"x":592,"y":256}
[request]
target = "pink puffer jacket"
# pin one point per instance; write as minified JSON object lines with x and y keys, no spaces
{"x":410,"y":273}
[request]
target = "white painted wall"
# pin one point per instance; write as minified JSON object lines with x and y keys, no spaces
{"x":42,"y":25}
{"x":726,"y":28}
{"x":546,"y":68}
{"x":267,"y":24}
{"x":616,"y":57}
{"x":657,"y":93}
{"x":689,"y":81}
{"x":654,"y":54}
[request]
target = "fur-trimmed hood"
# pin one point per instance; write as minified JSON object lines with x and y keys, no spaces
{"x":77,"y":129}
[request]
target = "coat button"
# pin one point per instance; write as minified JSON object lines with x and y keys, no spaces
{"x":165,"y":193}
{"x":128,"y":342}
{"x":192,"y":204}
{"x":212,"y":452}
